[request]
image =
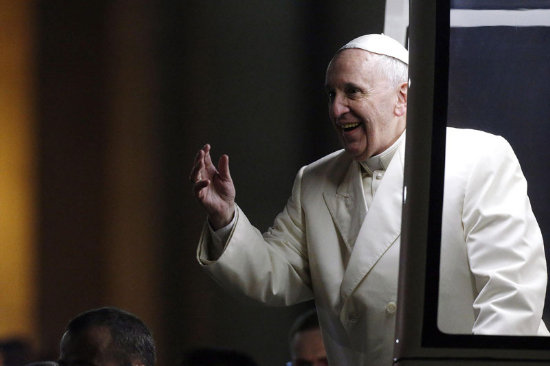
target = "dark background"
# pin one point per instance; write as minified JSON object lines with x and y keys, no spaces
{"x":126,"y":93}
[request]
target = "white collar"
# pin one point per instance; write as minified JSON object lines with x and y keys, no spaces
{"x":382,"y":160}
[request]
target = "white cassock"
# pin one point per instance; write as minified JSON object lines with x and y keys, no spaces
{"x":328,"y":246}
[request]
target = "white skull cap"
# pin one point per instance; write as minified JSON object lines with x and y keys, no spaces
{"x":381,"y":44}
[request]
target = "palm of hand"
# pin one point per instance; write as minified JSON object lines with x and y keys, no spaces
{"x":219,"y":194}
{"x":214,"y":187}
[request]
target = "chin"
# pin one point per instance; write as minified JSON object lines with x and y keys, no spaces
{"x":358,"y":155}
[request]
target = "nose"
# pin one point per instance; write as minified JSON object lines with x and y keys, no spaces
{"x":338,"y":106}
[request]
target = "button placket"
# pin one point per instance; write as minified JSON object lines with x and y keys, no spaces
{"x":377,"y":178}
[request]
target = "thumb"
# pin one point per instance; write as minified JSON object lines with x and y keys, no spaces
{"x":223,"y":167}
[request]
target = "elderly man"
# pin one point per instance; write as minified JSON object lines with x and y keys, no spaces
{"x":107,"y":337}
{"x":337,"y":239}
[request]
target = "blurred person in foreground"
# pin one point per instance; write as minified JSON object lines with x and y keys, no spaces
{"x":306,"y":341}
{"x":15,"y":351}
{"x":337,"y":239}
{"x":107,"y":337}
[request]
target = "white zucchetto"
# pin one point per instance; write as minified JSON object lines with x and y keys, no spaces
{"x":380,"y":44}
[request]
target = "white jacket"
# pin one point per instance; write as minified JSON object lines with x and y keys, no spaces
{"x":324,"y":245}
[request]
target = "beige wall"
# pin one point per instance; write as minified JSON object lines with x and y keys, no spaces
{"x":17,"y":171}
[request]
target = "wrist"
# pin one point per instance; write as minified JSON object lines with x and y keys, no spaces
{"x":217,"y":221}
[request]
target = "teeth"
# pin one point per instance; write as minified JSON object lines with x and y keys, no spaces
{"x":346,"y":126}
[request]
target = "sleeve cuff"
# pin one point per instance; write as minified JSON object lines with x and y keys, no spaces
{"x":220,"y":236}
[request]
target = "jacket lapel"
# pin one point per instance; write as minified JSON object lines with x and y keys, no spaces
{"x":381,"y":227}
{"x":347,"y":207}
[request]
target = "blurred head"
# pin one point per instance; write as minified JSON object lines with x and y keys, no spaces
{"x":366,"y":83}
{"x":15,"y":352}
{"x":107,"y":337}
{"x":306,"y":341}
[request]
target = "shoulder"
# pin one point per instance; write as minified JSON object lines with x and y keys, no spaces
{"x":329,"y":159}
{"x":466,"y":134}
{"x":475,"y":143}
{"x":326,"y":171}
{"x":470,"y":151}
{"x":334,"y":162}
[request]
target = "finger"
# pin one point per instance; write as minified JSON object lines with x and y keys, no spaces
{"x":223,"y":167}
{"x":198,"y":188}
{"x":209,"y":166}
{"x":198,"y":165}
{"x":198,"y":158}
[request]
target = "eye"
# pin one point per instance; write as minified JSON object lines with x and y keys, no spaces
{"x":331,"y":95}
{"x":353,"y":90}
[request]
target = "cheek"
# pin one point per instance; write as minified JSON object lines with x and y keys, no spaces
{"x":370,"y":129}
{"x":378,"y":118}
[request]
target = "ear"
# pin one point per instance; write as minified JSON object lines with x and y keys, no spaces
{"x":401,"y":105}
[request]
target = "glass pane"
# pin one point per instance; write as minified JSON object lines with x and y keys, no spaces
{"x":499,"y":82}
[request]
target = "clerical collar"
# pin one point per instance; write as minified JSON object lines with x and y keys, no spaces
{"x":382,"y":160}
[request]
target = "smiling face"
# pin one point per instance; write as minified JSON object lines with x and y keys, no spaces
{"x":366,"y":109}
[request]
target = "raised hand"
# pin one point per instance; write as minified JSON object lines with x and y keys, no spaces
{"x":213,"y":187}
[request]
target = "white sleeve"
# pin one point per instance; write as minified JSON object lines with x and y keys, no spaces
{"x":219,"y":239}
{"x":272,"y":268}
{"x":505,"y":247}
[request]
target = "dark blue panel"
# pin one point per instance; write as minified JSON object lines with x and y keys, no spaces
{"x":499,"y":82}
{"x":500,"y":4}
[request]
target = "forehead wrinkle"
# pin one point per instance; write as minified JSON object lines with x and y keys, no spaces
{"x":357,"y":66}
{"x":353,"y":81}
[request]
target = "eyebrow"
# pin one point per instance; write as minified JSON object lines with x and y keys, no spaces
{"x":352,"y":85}
{"x":346,"y":85}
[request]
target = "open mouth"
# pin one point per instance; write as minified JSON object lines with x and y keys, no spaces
{"x":349,"y":126}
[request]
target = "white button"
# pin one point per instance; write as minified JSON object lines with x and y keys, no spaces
{"x":379,"y":176}
{"x":391,"y":307}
